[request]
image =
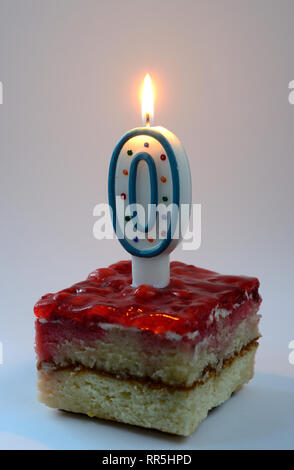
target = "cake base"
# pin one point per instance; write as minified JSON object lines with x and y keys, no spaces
{"x":175,"y":410}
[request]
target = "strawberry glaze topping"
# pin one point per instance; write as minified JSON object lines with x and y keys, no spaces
{"x":184,"y":306}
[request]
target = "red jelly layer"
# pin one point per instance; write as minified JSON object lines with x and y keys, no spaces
{"x":184,"y":306}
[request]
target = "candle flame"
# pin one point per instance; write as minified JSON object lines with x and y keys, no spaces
{"x":147,"y":101}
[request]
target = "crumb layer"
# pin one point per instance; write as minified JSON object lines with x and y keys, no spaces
{"x":166,"y":408}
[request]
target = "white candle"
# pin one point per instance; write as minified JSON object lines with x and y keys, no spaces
{"x":149,"y":170}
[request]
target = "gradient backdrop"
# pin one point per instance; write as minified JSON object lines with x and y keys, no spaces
{"x":71,"y":73}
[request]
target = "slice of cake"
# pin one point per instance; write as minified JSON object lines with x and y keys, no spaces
{"x":158,"y":358}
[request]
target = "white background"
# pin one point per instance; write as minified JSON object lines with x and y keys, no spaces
{"x":71,"y":73}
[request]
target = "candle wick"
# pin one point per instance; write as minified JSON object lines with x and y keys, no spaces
{"x":147,"y":120}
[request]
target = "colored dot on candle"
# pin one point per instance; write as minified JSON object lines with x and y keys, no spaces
{"x":136,"y":239}
{"x":163,"y":233}
{"x":130,"y":152}
{"x":127,"y":218}
{"x":125,"y":172}
{"x":150,"y":240}
{"x":163,"y":179}
{"x":146,"y":144}
{"x":165,"y":198}
{"x":123,"y":195}
{"x":163,"y":157}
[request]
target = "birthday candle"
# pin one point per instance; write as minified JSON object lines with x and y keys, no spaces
{"x":149,"y":186}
